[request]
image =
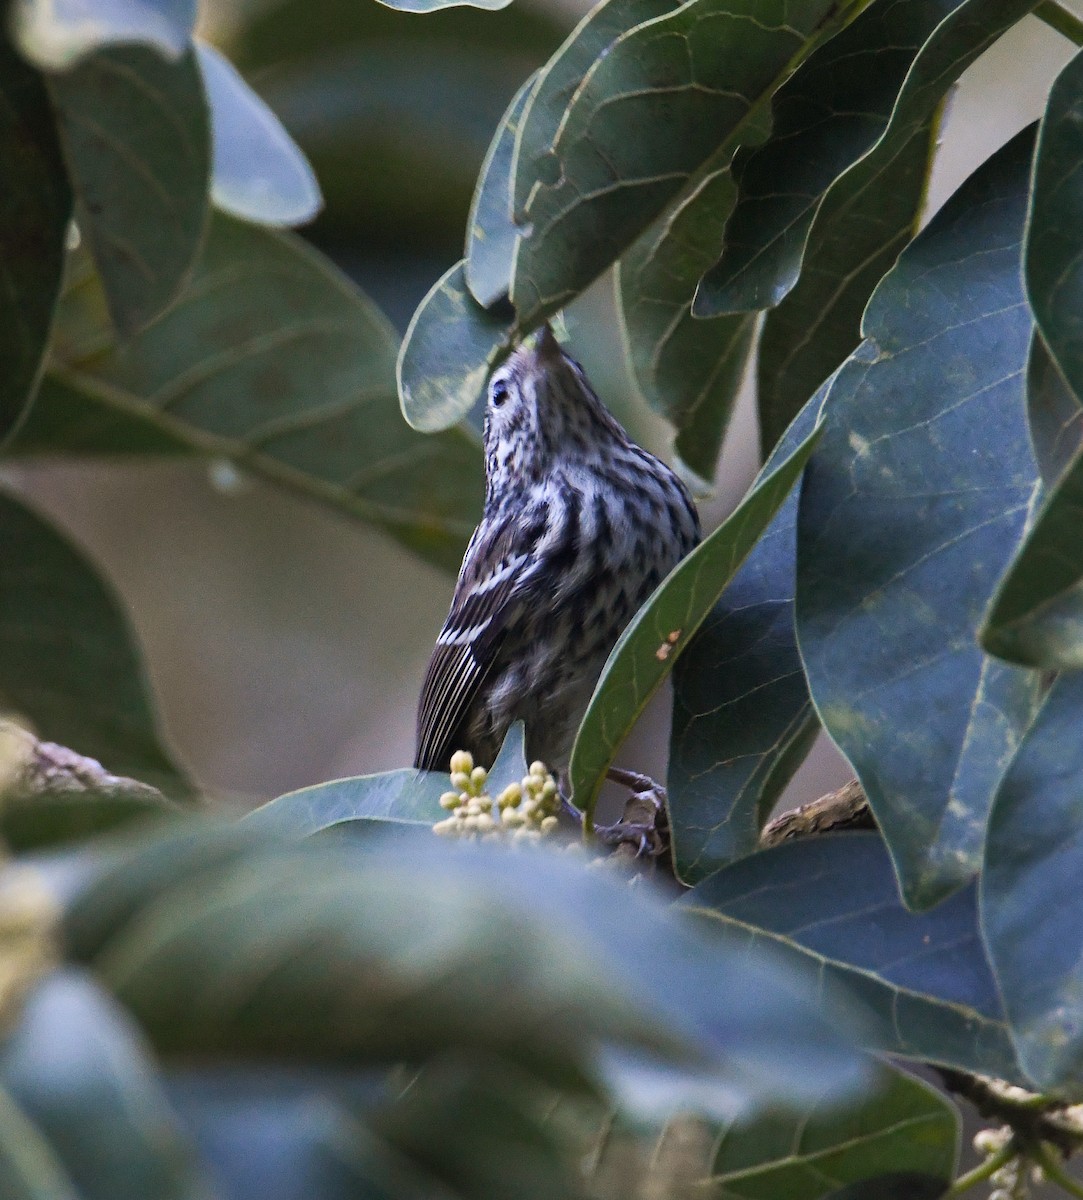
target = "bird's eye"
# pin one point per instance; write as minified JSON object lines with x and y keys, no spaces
{"x":498,"y":393}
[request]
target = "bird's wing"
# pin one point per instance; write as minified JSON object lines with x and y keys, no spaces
{"x":485,"y":603}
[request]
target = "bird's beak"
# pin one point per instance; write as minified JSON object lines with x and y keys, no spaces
{"x":546,"y":346}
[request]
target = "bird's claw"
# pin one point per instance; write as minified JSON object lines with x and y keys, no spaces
{"x":645,"y":822}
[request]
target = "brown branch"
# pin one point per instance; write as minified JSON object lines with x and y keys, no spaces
{"x":845,"y":809}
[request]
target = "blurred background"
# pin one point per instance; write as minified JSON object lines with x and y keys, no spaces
{"x":286,"y":645}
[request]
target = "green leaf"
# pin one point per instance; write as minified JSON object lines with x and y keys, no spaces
{"x":69,"y":662}
{"x":35,"y":204}
{"x":221,"y":941}
{"x":1030,"y":888}
{"x":920,"y":981}
{"x":54,"y":33}
{"x":856,"y":237}
{"x":136,"y":136}
{"x":28,"y":1168}
{"x":75,"y":1064}
{"x":906,"y":1126}
{"x":666,"y":97}
{"x":559,"y":81}
{"x":277,"y":363}
{"x":1054,"y":413}
{"x":909,"y":512}
{"x":491,"y":233}
{"x":742,"y":716}
{"x":30,"y":823}
{"x":449,"y":350}
{"x":827,"y":115}
{"x":688,"y":370}
{"x":406,"y":796}
{"x":644,"y":656}
{"x":1037,"y":616}
{"x":259,"y":173}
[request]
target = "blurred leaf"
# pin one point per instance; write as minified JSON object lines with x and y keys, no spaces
{"x":689,"y":370}
{"x":69,"y":662}
{"x":826,"y":116}
{"x":221,"y":941}
{"x":742,"y":716}
{"x":401,"y":796}
{"x":276,"y":362}
{"x":906,"y":1126}
{"x":450,"y":348}
{"x":855,"y":239}
{"x":909,"y":512}
{"x":899,"y":1185}
{"x":559,"y":81}
{"x":664,"y":98}
{"x":1037,"y":616}
{"x":644,"y":656}
{"x":1054,"y":413}
{"x":1030,"y":889}
{"x":405,"y":797}
{"x":136,"y":135}
{"x":29,"y":823}
{"x":480,"y":1131}
{"x":54,"y":33}
{"x":75,"y":1064}
{"x":28,"y":1168}
{"x":491,"y":233}
{"x":832,"y":902}
{"x":259,"y":173}
{"x":35,"y":204}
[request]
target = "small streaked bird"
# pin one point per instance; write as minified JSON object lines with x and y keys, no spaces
{"x":580,"y":525}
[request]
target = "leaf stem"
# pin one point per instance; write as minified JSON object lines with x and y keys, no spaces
{"x":983,"y":1171}
{"x":1049,"y":1160}
{"x":1063,"y":20}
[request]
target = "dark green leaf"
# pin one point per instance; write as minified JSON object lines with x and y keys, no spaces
{"x":666,"y":97}
{"x":742,"y":716}
{"x":259,"y":173}
{"x":1053,"y":256}
{"x":644,"y":656}
{"x":688,"y":370}
{"x":491,"y":233}
{"x":909,"y":512}
{"x":28,"y":1168}
{"x":35,"y":204}
{"x":1030,"y":890}
{"x":54,"y":33}
{"x":1054,"y":413}
{"x":855,"y":239}
{"x":826,"y":116}
{"x":832,"y":901}
{"x":69,"y":662}
{"x":226,"y":941}
{"x":1037,"y":617}
{"x":899,"y":1185}
{"x":276,"y":362}
{"x":76,"y":1066}
{"x":905,"y":1126}
{"x":561,"y":77}
{"x":53,"y":818}
{"x":449,"y":349}
{"x":136,"y":135}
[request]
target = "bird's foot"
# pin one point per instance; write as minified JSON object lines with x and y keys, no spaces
{"x":644,"y":825}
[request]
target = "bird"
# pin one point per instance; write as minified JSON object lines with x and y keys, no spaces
{"x":579,"y":526}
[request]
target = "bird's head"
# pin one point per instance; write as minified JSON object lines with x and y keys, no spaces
{"x":541,"y":409}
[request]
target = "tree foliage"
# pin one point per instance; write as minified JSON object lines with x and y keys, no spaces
{"x":324,"y":1000}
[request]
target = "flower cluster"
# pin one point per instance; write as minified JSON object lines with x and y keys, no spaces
{"x":526,"y":810}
